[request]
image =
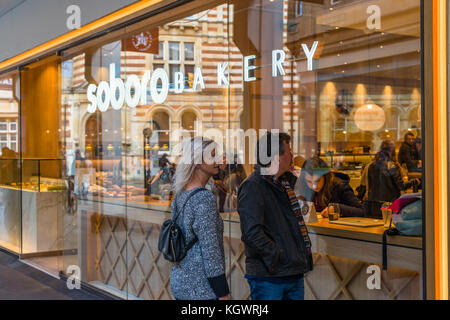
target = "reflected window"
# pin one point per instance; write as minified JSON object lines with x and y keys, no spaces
{"x":160,"y":125}
{"x":188,"y":51}
{"x":172,"y":69}
{"x":160,"y":55}
{"x":189,"y":122}
{"x":174,"y":51}
{"x":8,"y":131}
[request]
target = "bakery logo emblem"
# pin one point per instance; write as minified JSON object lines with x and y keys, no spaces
{"x":142,"y":41}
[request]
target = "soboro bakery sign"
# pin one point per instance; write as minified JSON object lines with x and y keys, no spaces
{"x":116,"y":92}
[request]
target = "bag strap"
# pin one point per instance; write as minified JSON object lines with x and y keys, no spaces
{"x":389,"y":232}
{"x":177,"y":213}
{"x":190,"y":244}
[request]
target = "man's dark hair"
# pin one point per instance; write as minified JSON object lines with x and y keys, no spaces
{"x":265,"y":142}
{"x":408,"y":134}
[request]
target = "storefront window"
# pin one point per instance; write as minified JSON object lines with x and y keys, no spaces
{"x":10,"y":166}
{"x":342,"y":78}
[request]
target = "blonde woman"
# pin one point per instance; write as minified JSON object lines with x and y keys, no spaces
{"x":201,"y":274}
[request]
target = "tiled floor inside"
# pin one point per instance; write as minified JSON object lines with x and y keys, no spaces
{"x":19,"y":281}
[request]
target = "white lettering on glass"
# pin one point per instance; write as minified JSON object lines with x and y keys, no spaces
{"x":310,"y":53}
{"x":116,"y":83}
{"x":116,"y":92}
{"x":374,"y":20}
{"x":144,"y":84}
{"x":248,"y":67}
{"x":178,"y":82}
{"x":221,"y":69}
{"x":278,"y":57}
{"x":103,"y":96}
{"x":161,"y":96}
{"x":132,"y":81}
{"x":91,"y":89}
{"x":198,"y":79}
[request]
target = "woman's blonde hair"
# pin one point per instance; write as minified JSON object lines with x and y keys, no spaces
{"x":191,"y":154}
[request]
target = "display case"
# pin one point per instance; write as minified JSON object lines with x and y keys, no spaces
{"x":39,"y":175}
{"x":31,"y":195}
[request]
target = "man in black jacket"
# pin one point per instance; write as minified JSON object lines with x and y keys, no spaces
{"x":409,"y":155}
{"x":277,"y":245}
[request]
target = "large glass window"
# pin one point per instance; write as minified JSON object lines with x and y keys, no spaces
{"x":10,"y":165}
{"x":342,"y":80}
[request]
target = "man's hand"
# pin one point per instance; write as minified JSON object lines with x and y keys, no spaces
{"x":227,"y":297}
{"x":324,"y":212}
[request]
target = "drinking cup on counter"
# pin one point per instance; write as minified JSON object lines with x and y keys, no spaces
{"x":387,"y":216}
{"x":334,"y":211}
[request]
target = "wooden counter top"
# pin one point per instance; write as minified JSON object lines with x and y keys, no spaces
{"x":372,"y":234}
{"x":141,"y":208}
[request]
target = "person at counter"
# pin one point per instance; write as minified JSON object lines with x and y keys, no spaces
{"x":321,"y":186}
{"x":408,"y":154}
{"x":276,"y":240}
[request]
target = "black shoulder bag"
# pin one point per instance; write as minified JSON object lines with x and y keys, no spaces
{"x":172,"y":243}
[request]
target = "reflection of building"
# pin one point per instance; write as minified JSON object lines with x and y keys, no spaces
{"x":357,"y":66}
{"x":197,"y":41}
{"x":112,"y":233}
{"x":9,"y":109}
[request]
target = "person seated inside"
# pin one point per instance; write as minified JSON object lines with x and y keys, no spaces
{"x":385,"y":181}
{"x":318,"y":184}
{"x":363,"y":189}
{"x":408,"y":154}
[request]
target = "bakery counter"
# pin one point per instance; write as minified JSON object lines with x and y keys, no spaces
{"x":118,"y":249}
{"x":346,"y":256}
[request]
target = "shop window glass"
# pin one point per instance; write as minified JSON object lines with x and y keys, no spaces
{"x":188,"y":51}
{"x":174,"y":51}
{"x":10,"y":165}
{"x":172,"y":69}
{"x":189,"y":122}
{"x":189,"y":71}
{"x":334,"y":80}
{"x":345,"y":87}
{"x":160,"y":55}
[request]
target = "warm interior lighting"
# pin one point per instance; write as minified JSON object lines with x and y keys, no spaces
{"x":369,"y":117}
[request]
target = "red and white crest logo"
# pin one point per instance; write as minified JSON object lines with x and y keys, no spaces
{"x":142,"y":41}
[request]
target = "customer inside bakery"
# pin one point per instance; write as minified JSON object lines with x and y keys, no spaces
{"x":320,"y":185}
{"x":385,"y":181}
{"x":408,"y":155}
